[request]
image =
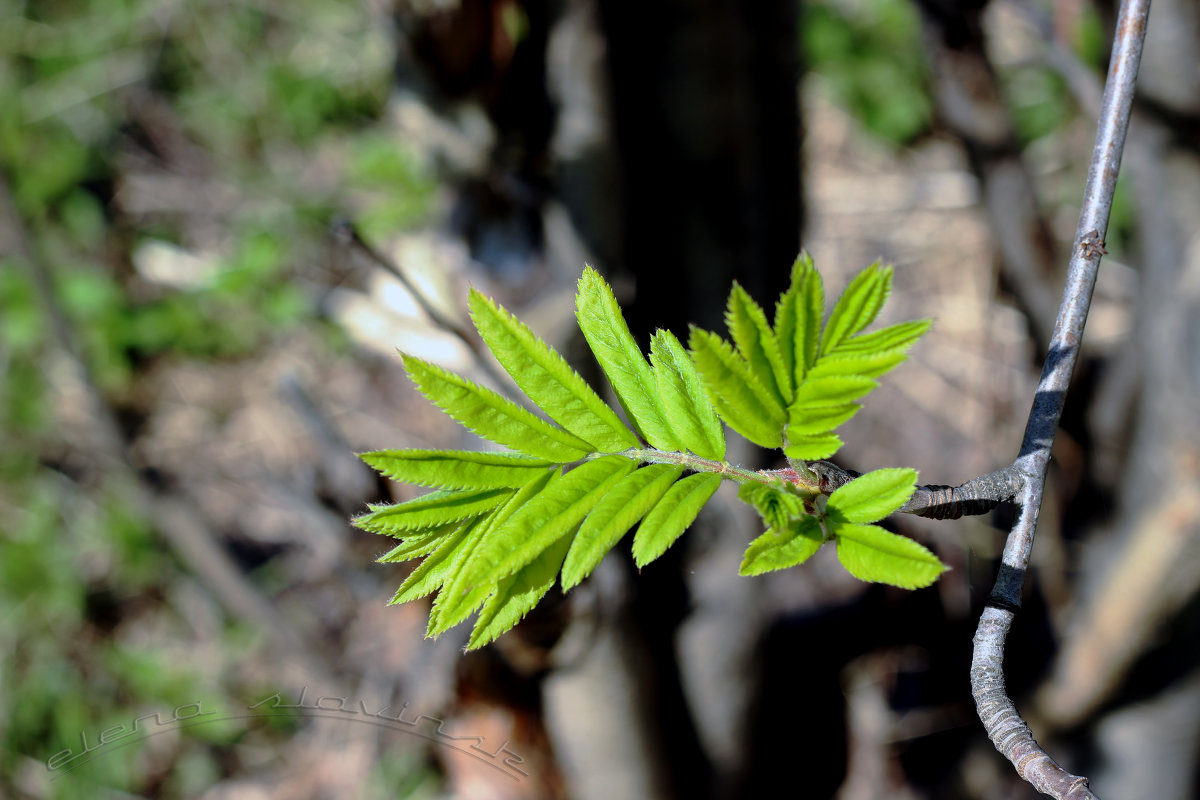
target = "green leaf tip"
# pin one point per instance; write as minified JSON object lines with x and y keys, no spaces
{"x":870,"y":553}
{"x":547,"y":379}
{"x":621,"y":359}
{"x":873,"y":496}
{"x":780,"y":548}
{"x":672,"y":516}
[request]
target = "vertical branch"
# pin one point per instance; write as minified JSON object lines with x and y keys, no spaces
{"x":1007,"y":730}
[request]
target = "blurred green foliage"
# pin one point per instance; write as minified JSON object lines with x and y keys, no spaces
{"x":230,"y":134}
{"x":870,"y":55}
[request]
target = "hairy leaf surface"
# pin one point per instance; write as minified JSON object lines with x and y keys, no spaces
{"x":832,"y":390}
{"x":619,"y":356}
{"x":780,"y":548}
{"x":689,"y":413}
{"x":900,"y":336}
{"x":418,"y":544}
{"x":798,"y":318}
{"x":621,"y":509}
{"x":743,"y":403}
{"x":812,"y":448}
{"x":546,"y":377}
{"x":493,"y":417}
{"x":553,"y":513}
{"x":858,"y":306}
{"x":430,"y":510}
{"x":672,"y":516}
{"x":517,"y":594}
{"x":817,"y":420}
{"x":774,"y":502}
{"x":427,"y":578}
{"x":457,"y":469}
{"x":870,"y":553}
{"x":869,"y":365}
{"x":757,"y":343}
{"x":458,"y":598}
{"x":873,"y":496}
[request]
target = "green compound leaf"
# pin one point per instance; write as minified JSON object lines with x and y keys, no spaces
{"x":798,"y":318}
{"x":870,"y":553}
{"x":458,"y":599}
{"x":437,"y":566}
{"x":457,"y":469}
{"x":900,"y":336}
{"x":552,"y":514}
{"x":774,"y":502}
{"x":831,"y":390}
{"x":873,"y":496}
{"x":608,"y":335}
{"x":818,"y":420}
{"x":492,"y":416}
{"x":672,"y":516}
{"x":858,"y":306}
{"x":868,"y":365}
{"x":690,"y":415}
{"x":757,"y":343}
{"x":812,"y":448}
{"x":517,"y":594}
{"x":780,"y":548}
{"x":740,"y":399}
{"x":621,"y":509}
{"x":418,"y":544}
{"x":547,"y":378}
{"x":430,"y":511}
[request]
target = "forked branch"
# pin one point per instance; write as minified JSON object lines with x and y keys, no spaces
{"x":1007,"y":730}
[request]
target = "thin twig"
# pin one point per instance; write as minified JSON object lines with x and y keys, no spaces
{"x":1007,"y":730}
{"x":347,"y":234}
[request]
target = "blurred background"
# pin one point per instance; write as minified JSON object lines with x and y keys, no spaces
{"x":219,"y":219}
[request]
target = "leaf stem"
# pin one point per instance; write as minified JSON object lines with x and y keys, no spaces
{"x":695,"y":463}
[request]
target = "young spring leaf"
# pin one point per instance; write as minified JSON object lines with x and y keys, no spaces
{"x":831,"y":390}
{"x":619,"y":356}
{"x":870,"y":553}
{"x":672,"y":516}
{"x":492,"y":416}
{"x":774,"y":502}
{"x":418,"y":544}
{"x":742,"y":402}
{"x":858,"y":306}
{"x":433,"y":571}
{"x":458,"y":598}
{"x":812,"y":448}
{"x":457,"y":469}
{"x":757,"y":343}
{"x":780,"y":548}
{"x":862,"y":364}
{"x":517,"y":594}
{"x":687,"y":409}
{"x":798,"y":318}
{"x":621,"y":509}
{"x":873,"y":496}
{"x":430,"y":510}
{"x":553,"y":513}
{"x":900,"y":336}
{"x":818,"y":420}
{"x":547,"y":379}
